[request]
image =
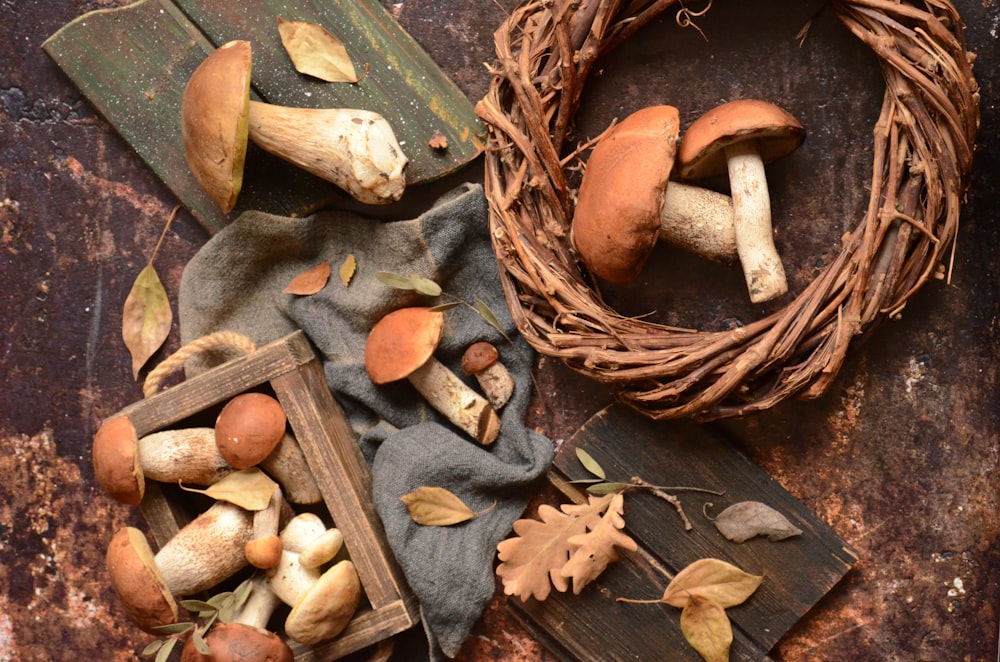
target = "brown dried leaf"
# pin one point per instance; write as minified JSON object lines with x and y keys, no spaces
{"x":315,"y":52}
{"x":310,"y":281}
{"x":533,"y":560}
{"x":438,"y":141}
{"x":707,"y":628}
{"x":146,"y":318}
{"x":347,"y":269}
{"x":436,"y":506}
{"x":596,"y":549}
{"x":718,"y":580}
{"x":250,"y":489}
{"x":747,"y":519}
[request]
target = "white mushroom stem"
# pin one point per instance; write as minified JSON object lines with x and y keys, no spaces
{"x":260,"y":605}
{"x":497,"y":384}
{"x":290,"y":579}
{"x":264,"y":548}
{"x":450,"y":396}
{"x":187,"y":455}
{"x":698,"y":220}
{"x":762,"y":268}
{"x":355,"y":149}
{"x":287,"y":465}
{"x":206,"y":551}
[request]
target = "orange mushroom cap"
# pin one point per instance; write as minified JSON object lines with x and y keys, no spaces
{"x":401,"y":342}
{"x":115,"y":454}
{"x":137,"y":581}
{"x":248,"y":428}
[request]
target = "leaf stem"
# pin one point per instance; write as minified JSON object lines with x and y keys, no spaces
{"x":163,"y":234}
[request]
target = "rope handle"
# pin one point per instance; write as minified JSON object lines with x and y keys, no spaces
{"x":176,"y":360}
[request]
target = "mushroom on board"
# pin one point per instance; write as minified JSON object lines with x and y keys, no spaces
{"x":323,"y":602}
{"x":205,"y":552}
{"x":626,"y":201}
{"x":352,"y":148}
{"x":245,"y":638}
{"x":123,"y":461}
{"x":401,"y":346}
{"x":738,"y":138}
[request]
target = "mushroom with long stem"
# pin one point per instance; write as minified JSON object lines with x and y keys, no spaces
{"x":482,"y":361}
{"x":401,"y":346}
{"x":738,"y":138}
{"x":626,"y":202}
{"x":352,"y":148}
{"x":201,"y":555}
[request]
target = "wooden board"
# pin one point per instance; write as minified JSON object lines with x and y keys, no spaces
{"x":798,"y":571}
{"x":132,"y":64}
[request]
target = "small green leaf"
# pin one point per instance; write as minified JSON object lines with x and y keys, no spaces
{"x":201,"y":607}
{"x":163,"y":654}
{"x":590,"y":464}
{"x":425,"y":286}
{"x":173,"y":628}
{"x":394,"y":280}
{"x":444,"y":307}
{"x":607,"y":488}
{"x":199,"y":642}
{"x":487,"y":314}
{"x":153,"y":646}
{"x":585,"y":481}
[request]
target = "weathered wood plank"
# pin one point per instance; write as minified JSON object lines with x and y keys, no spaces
{"x":132,"y":64}
{"x":798,"y":571}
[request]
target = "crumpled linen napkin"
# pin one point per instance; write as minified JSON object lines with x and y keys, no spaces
{"x":235,"y":283}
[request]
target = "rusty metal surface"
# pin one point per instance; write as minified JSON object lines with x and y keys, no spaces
{"x":900,"y":457}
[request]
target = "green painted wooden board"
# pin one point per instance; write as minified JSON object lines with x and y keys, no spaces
{"x":132,"y":64}
{"x":798,"y":571}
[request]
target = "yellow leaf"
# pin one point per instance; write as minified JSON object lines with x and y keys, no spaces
{"x":347,"y":269}
{"x":722,"y":582}
{"x":310,"y":281}
{"x":316,"y":52}
{"x":707,"y":628}
{"x":436,"y":506}
{"x":146,"y":318}
{"x":250,"y":489}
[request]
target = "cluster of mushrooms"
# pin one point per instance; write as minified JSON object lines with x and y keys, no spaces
{"x":627,"y":200}
{"x":298,"y":562}
{"x":354,"y":149}
{"x":401,"y":346}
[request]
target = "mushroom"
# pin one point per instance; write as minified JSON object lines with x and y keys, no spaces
{"x":482,"y":361}
{"x":248,"y":428}
{"x":626,"y":202}
{"x":263,"y":550}
{"x":245,"y":638}
{"x":402,"y":344}
{"x":354,"y":149}
{"x":123,"y":461}
{"x":287,"y":465}
{"x":201,"y":555}
{"x":739,"y":137}
{"x":323,"y":603}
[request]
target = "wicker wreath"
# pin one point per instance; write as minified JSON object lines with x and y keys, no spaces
{"x":924,"y":141}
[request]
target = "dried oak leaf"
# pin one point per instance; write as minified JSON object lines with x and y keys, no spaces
{"x":747,"y":519}
{"x":706,"y":627}
{"x":146,"y":317}
{"x":543,"y":555}
{"x":310,"y":281}
{"x":315,"y":52}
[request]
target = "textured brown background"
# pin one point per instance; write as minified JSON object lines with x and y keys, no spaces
{"x":900,"y":457}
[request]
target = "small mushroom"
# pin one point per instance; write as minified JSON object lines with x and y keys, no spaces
{"x":245,"y":638}
{"x":401,"y":345}
{"x":626,"y":201}
{"x":248,"y":428}
{"x":323,"y":603}
{"x":482,"y":361}
{"x":354,"y":149}
{"x":201,"y":555}
{"x":739,"y":137}
{"x":123,"y":461}
{"x":263,"y":550}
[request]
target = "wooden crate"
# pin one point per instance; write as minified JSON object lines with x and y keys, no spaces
{"x":290,"y":368}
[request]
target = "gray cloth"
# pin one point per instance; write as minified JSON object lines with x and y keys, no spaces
{"x":235,"y":283}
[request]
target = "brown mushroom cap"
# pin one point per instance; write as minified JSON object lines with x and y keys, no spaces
{"x":327,"y":607}
{"x":478,"y":357}
{"x":248,"y":428}
{"x":236,"y":642}
{"x":617,"y":217}
{"x":214,"y":109}
{"x":401,"y":342}
{"x":702,"y":150}
{"x":137,"y":582}
{"x":115,"y":454}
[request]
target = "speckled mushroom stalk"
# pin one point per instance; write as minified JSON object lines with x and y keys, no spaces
{"x":201,"y":555}
{"x":738,"y":138}
{"x":401,"y":346}
{"x":482,"y":361}
{"x":323,"y":602}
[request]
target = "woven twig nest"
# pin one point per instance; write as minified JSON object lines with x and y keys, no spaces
{"x":924,"y":140}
